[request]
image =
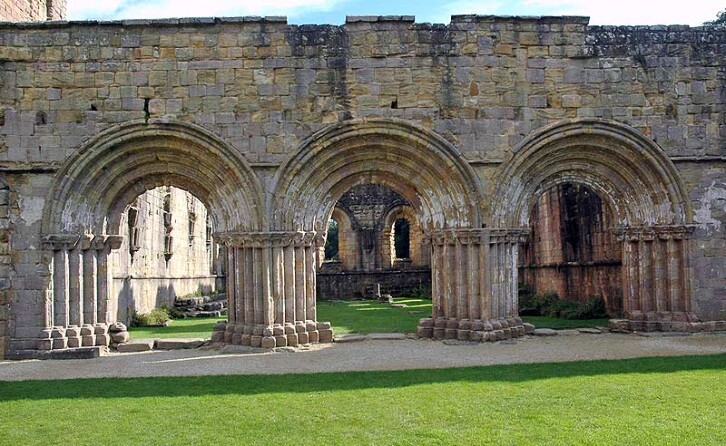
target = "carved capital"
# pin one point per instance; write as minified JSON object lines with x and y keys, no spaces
{"x":650,"y":233}
{"x":58,"y":242}
{"x":265,"y":239}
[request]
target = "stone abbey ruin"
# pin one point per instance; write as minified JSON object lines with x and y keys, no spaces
{"x":587,"y":160}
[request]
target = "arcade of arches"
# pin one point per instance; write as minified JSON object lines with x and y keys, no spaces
{"x":543,"y":151}
{"x":627,"y":226}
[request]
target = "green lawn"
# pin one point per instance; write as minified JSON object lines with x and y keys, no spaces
{"x":560,"y":324}
{"x":371,"y":316}
{"x":649,"y":401}
{"x":179,"y":328}
{"x":360,"y":316}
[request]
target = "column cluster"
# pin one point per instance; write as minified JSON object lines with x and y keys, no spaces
{"x":657,"y":279}
{"x":474,"y":285}
{"x":271,"y":289}
{"x":78,"y":310}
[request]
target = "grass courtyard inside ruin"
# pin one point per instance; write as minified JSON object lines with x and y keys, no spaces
{"x":358,"y":316}
{"x":671,"y":400}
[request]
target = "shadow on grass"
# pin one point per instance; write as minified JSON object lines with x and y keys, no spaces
{"x":332,"y":382}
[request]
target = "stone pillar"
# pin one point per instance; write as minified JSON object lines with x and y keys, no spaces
{"x":656,"y":279}
{"x":474,"y":285}
{"x":271,"y":286}
{"x":80,"y":308}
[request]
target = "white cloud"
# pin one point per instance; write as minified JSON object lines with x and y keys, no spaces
{"x":152,"y":9}
{"x":636,"y":12}
{"x":601,"y":12}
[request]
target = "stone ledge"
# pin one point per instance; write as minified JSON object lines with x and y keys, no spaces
{"x":177,"y":344}
{"x":67,"y":353}
{"x":135,"y":346}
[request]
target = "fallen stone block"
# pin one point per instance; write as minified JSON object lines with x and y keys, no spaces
{"x":135,"y":346}
{"x":544,"y":332}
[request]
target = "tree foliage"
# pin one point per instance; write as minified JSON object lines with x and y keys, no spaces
{"x":720,"y":21}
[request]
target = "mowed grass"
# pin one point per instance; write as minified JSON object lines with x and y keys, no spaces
{"x":179,"y":328}
{"x":371,"y":316}
{"x":649,"y":401}
{"x":359,"y":316}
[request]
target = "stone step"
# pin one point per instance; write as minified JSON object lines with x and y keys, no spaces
{"x":143,"y":345}
{"x":386,"y":336}
{"x":178,"y":344}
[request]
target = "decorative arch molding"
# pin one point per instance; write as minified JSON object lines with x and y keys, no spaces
{"x":415,"y":162}
{"x":621,"y":164}
{"x":651,"y":207}
{"x":84,"y":207}
{"x":110,"y":170}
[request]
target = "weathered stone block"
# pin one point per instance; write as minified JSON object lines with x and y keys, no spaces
{"x":135,"y":346}
{"x":325,"y":335}
{"x":424,"y":332}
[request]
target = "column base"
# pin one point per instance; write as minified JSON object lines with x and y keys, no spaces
{"x":288,"y":335}
{"x":473,"y":330}
{"x":664,"y":321}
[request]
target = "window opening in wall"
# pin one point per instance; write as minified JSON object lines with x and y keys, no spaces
{"x":132,"y":217}
{"x":192,"y":220}
{"x":167,"y":220}
{"x":331,"y":243}
{"x":401,"y":239}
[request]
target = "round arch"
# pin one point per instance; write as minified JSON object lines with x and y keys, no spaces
{"x":630,"y":171}
{"x":95,"y":185}
{"x":418,"y":164}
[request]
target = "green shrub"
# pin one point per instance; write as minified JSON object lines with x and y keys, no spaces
{"x":156,"y":318}
{"x":549,"y":304}
{"x":174,"y":312}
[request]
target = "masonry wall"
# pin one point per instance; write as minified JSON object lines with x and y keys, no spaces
{"x":153,"y":272}
{"x":32,"y":10}
{"x":483,"y":83}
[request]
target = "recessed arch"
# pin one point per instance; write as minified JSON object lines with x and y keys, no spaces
{"x":624,"y":166}
{"x":416,"y":163}
{"x":94,"y":186}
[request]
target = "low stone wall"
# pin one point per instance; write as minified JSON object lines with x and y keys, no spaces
{"x":357,"y":285}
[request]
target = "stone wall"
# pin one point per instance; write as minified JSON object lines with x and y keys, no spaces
{"x":173,"y":253}
{"x":437,"y":102}
{"x":32,"y":10}
{"x":333,"y":285}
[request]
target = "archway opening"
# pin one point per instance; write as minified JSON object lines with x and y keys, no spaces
{"x":373,"y":240}
{"x":168,"y":257}
{"x":332,"y":247}
{"x":572,"y":251}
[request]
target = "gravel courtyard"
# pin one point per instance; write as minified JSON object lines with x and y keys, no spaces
{"x":568,"y":345}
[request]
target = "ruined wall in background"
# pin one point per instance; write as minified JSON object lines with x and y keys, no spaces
{"x":32,"y":10}
{"x":173,"y":253}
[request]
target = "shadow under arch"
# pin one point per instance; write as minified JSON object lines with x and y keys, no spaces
{"x":635,"y":175}
{"x":415,"y":162}
{"x":124,"y":161}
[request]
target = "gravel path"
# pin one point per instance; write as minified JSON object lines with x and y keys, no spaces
{"x":368,"y":355}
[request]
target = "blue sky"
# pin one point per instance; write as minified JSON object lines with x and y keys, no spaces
{"x":601,"y":12}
